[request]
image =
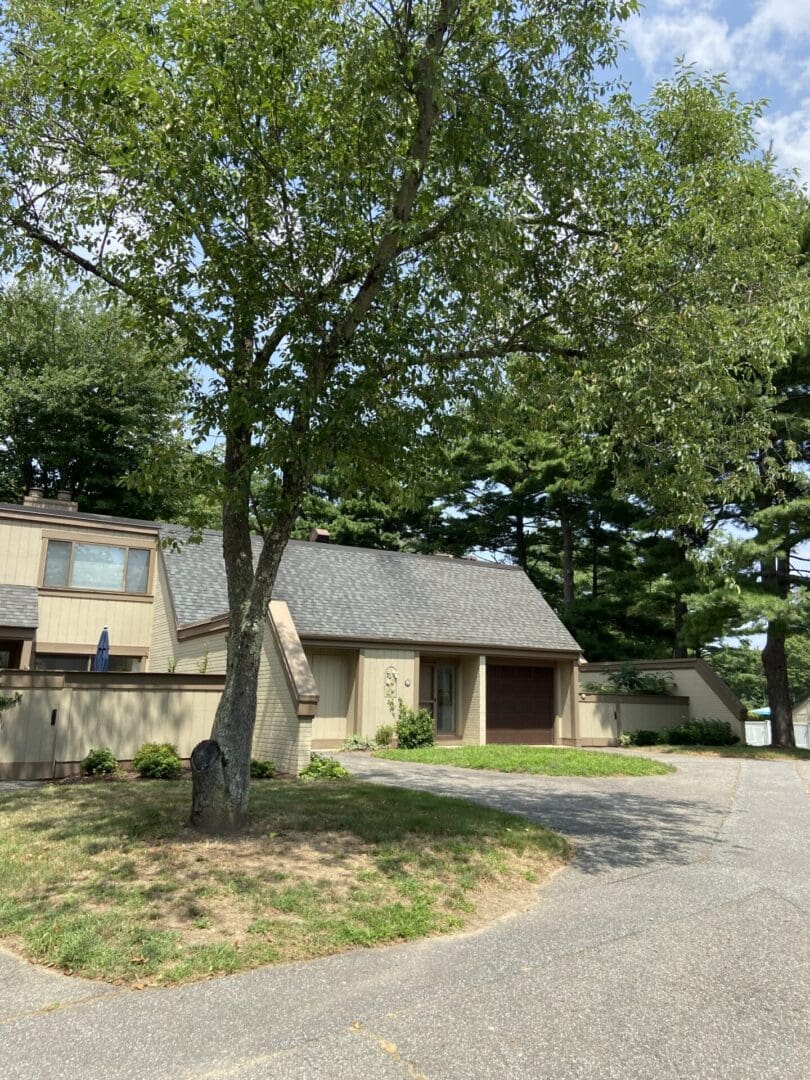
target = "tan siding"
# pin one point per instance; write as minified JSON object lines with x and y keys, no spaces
{"x":472,"y":698}
{"x":603,"y":720}
{"x":187,"y":653}
{"x":687,"y":682}
{"x":280,"y":734}
{"x":79,"y":620}
{"x":334,"y":672}
{"x":565,"y":697}
{"x":374,"y":706}
{"x":20,"y":549}
{"x":119,"y":718}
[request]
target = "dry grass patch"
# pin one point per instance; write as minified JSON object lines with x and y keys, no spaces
{"x":105,"y":881}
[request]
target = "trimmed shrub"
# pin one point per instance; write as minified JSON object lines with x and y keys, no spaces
{"x":100,"y":761}
{"x":357,"y":742}
{"x":642,"y":737}
{"x":703,"y":732}
{"x":262,"y":770}
{"x":414,"y":728}
{"x":385,"y":735}
{"x":323,"y":768}
{"x":158,"y":761}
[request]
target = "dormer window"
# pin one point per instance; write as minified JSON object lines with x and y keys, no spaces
{"x":96,"y":567}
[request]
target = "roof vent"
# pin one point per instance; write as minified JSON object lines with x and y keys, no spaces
{"x":319,"y":536}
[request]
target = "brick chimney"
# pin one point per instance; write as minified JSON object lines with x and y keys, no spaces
{"x":319,"y":536}
{"x":63,"y":503}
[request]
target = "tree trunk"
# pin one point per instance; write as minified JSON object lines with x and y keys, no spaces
{"x":774,"y":661}
{"x":595,"y":544}
{"x":521,"y":551}
{"x":209,"y":809}
{"x":679,"y":649}
{"x":567,"y":559}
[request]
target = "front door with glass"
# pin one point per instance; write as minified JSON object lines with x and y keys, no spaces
{"x":437,"y":694}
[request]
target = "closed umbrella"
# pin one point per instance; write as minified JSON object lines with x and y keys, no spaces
{"x":101,"y":661}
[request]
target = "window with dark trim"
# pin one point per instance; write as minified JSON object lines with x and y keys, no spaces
{"x":83,"y":662}
{"x":97,"y":567}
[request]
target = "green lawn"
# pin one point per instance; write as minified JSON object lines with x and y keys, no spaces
{"x":103,"y":880}
{"x":757,"y":753}
{"x":543,"y":760}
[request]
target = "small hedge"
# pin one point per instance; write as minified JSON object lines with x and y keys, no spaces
{"x":697,"y":732}
{"x":262,"y":770}
{"x":385,"y":735}
{"x":158,"y":761}
{"x":100,"y":761}
{"x":323,"y":768}
{"x":414,"y":728}
{"x":357,"y":742}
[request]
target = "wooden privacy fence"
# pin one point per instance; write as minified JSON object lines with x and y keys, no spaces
{"x":63,"y":714}
{"x":603,"y":717}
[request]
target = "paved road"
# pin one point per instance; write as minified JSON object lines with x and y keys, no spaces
{"x":676,"y":946}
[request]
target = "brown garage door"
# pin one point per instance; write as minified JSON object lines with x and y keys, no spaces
{"x":520,"y":704}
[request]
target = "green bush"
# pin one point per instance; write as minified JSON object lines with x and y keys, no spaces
{"x":323,"y":768}
{"x":100,"y":762}
{"x":642,"y":737}
{"x":357,"y":742}
{"x":158,"y":761}
{"x":262,"y":770}
{"x":702,"y":732}
{"x":385,"y":735}
{"x":414,"y":728}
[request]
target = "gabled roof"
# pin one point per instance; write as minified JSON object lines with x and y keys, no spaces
{"x":363,"y":594}
{"x":19,"y":606}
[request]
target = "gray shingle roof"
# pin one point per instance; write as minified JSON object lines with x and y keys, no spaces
{"x":361,"y":593}
{"x":18,"y":606}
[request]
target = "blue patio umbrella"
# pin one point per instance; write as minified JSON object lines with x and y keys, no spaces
{"x":101,"y":661}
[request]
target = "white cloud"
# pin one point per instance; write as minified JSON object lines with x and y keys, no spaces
{"x":765,"y":54}
{"x":698,"y":36}
{"x":789,"y":136}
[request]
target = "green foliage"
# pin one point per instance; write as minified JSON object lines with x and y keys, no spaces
{"x":262,"y":770}
{"x":628,"y":679}
{"x":642,"y":737}
{"x":158,"y":761}
{"x":741,"y":667}
{"x":321,"y":767}
{"x":702,"y":732}
{"x":357,"y":742}
{"x":536,"y":760}
{"x":85,"y":403}
{"x":9,"y":701}
{"x":696,"y":732}
{"x":414,"y":727}
{"x":99,"y":762}
{"x":385,"y":735}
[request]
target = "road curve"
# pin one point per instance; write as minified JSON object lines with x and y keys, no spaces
{"x":677,"y":945}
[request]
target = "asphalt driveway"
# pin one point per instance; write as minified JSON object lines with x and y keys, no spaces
{"x":677,"y":945}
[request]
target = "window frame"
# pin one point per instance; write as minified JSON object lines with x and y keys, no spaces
{"x":70,"y":589}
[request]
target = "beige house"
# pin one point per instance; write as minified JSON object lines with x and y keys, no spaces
{"x":351,"y":631}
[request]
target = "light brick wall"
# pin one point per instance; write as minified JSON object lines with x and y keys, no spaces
{"x":280,"y":734}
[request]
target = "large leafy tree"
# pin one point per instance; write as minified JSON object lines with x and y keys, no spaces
{"x":85,"y":403}
{"x":349,"y":211}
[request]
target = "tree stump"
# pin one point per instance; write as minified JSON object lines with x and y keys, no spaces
{"x":209,"y":809}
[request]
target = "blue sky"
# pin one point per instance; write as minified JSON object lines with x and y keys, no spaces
{"x":762,"y":46}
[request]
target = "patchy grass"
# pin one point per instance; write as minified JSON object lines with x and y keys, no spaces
{"x":103,"y":880}
{"x":543,"y":760}
{"x":757,"y":753}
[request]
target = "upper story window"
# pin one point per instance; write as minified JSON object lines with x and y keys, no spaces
{"x":98,"y":567}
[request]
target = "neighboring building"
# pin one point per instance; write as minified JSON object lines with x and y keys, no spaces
{"x":66,"y":575}
{"x":352,"y":631}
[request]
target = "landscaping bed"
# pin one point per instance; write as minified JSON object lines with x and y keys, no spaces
{"x":103,"y":879}
{"x":538,"y":760}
